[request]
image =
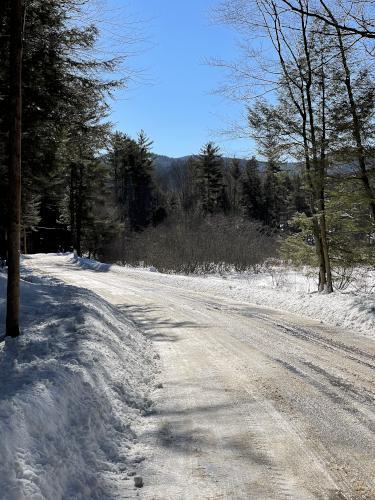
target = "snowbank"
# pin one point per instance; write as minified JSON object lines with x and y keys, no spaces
{"x":72,"y":389}
{"x":285,"y":289}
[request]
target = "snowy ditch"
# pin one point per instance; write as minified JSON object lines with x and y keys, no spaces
{"x":73,"y":389}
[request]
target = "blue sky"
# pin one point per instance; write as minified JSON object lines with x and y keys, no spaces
{"x":173,"y":100}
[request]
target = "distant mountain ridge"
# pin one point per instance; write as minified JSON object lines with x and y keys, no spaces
{"x":163,"y":163}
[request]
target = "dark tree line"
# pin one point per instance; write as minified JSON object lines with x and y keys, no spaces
{"x":269,"y":191}
{"x":63,"y":122}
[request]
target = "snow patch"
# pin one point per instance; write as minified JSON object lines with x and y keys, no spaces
{"x":72,"y":391}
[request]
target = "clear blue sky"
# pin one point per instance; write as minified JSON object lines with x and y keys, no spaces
{"x":174,"y":104}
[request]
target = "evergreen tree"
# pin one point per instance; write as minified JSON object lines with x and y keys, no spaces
{"x":209,"y":178}
{"x":234,"y":185}
{"x":100,"y":222}
{"x":252,"y":191}
{"x":299,"y":200}
{"x":277,"y":193}
{"x":4,"y":125}
{"x":142,"y":210}
{"x":188,"y":192}
{"x":131,"y":163}
{"x":63,"y":85}
{"x":264,"y":122}
{"x":30,"y":215}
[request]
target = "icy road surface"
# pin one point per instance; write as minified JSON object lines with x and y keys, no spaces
{"x":254,"y":403}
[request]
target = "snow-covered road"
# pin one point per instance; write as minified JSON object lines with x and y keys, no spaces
{"x":253,"y":403}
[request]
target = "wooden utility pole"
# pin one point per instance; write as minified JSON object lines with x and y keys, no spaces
{"x":14,"y":167}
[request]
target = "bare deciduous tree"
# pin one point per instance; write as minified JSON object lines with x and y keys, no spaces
{"x":354,"y":18}
{"x":301,"y":82}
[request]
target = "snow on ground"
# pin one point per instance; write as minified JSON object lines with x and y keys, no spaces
{"x":73,"y":388}
{"x":279,"y":288}
{"x":253,"y":403}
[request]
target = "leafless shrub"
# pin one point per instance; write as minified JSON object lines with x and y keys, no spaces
{"x":343,"y":277}
{"x":358,"y":279}
{"x":277,"y":270}
{"x":203,"y":246}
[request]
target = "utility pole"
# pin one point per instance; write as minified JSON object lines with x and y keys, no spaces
{"x":14,"y":167}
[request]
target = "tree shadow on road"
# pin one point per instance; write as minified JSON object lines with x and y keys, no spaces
{"x":151,"y":320}
{"x":194,"y":431}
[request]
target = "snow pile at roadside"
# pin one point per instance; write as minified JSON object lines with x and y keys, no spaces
{"x":352,"y":310}
{"x":72,"y":389}
{"x":283,"y":289}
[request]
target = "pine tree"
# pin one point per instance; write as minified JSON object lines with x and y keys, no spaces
{"x":234,"y":185}
{"x":277,"y":193}
{"x":252,"y":191}
{"x":64,"y":91}
{"x":4,"y":125}
{"x":299,"y":199}
{"x":100,"y":222}
{"x":141,"y":212}
{"x":82,"y":151}
{"x":30,"y":215}
{"x":131,"y":163}
{"x":264,"y":121}
{"x":209,"y":179}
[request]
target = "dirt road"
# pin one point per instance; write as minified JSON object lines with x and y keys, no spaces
{"x":254,"y":403}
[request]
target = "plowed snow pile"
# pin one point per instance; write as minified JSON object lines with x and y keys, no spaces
{"x":72,"y":389}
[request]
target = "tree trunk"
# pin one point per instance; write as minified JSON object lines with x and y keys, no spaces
{"x":319,"y":171}
{"x":79,"y":212}
{"x":356,"y":129}
{"x":315,"y":169}
{"x":319,"y":253}
{"x":322,"y":172}
{"x":356,"y":126}
{"x":72,"y":211}
{"x":329,"y":286}
{"x":14,"y":170}
{"x":24,"y":241}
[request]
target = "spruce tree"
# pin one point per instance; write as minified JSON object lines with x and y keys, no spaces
{"x":252,"y":191}
{"x":131,"y":163}
{"x":234,"y":185}
{"x":209,"y":178}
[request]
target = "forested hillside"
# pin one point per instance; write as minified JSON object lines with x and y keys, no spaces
{"x":308,"y":197}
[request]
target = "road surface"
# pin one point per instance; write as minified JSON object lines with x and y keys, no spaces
{"x":253,"y":403}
